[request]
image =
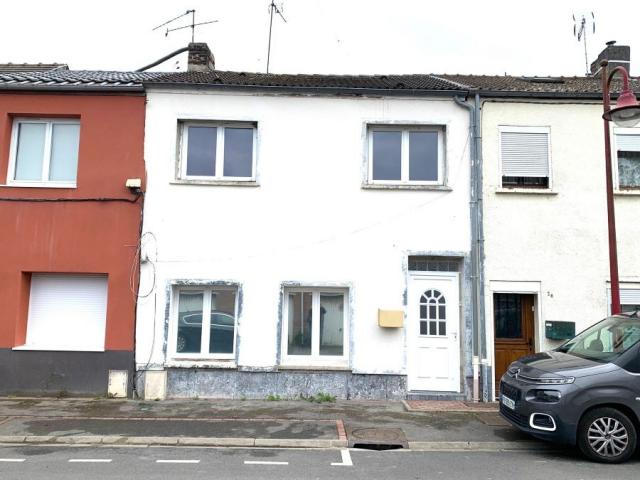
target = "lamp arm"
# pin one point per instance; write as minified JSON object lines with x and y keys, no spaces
{"x":625,"y":77}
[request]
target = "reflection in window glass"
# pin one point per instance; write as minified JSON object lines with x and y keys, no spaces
{"x":189,"y":322}
{"x":201,"y":151}
{"x":222,"y":328}
{"x":30,"y":153}
{"x":423,"y":156}
{"x":299,"y":324}
{"x":629,"y":169}
{"x":238,"y":152}
{"x":64,"y":152}
{"x":387,"y":151}
{"x":331,"y":323}
{"x":508,"y":315}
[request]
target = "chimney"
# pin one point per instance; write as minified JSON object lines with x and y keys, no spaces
{"x":200,"y":58}
{"x":617,"y":55}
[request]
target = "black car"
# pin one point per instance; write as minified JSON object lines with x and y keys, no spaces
{"x":585,"y":392}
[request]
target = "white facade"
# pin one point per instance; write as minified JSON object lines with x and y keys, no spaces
{"x":307,"y":220}
{"x":552,"y":242}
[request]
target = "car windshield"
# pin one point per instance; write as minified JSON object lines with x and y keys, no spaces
{"x":606,"y":340}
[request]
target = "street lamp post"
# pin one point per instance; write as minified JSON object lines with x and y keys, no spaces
{"x":625,"y":114}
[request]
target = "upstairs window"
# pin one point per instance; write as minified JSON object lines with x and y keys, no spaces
{"x":406,"y":155}
{"x":218,"y":151}
{"x":44,"y":152}
{"x":525,"y":157}
{"x":628,"y":153}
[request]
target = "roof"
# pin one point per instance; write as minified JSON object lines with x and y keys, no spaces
{"x":32,"y":67}
{"x":422,"y":82}
{"x":539,"y":86}
{"x":92,"y":80}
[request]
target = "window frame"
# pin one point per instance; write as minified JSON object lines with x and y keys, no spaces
{"x":614,"y":154}
{"x":525,"y":129}
{"x":46,"y":160}
{"x":405,"y":129}
{"x":183,"y":132}
{"x":315,"y":360}
{"x":206,"y":323}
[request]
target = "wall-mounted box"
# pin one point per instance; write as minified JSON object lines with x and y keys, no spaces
{"x":556,"y":330}
{"x":118,"y":380}
{"x":155,"y":385}
{"x":390,"y":318}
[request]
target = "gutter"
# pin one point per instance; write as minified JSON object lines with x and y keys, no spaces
{"x":307,"y":90}
{"x":477,"y":249}
{"x":72,"y":88}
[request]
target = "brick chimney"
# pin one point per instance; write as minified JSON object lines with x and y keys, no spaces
{"x":200,"y":58}
{"x":618,"y":56}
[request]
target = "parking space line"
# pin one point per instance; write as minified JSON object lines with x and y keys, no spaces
{"x":346,"y":459}
{"x":262,"y":462}
{"x":12,"y":460}
{"x":89,"y":460}
{"x":177,"y":461}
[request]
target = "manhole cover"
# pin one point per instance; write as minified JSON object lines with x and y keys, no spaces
{"x":377,"y":438}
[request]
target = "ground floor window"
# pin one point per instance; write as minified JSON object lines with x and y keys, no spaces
{"x":629,"y":299}
{"x":205,"y":322}
{"x":67,"y":312}
{"x":315,"y":324}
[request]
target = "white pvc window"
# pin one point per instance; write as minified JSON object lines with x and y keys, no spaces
{"x":525,"y":157}
{"x":204,"y":322}
{"x":67,"y":312}
{"x":315,"y":327}
{"x":628,"y":157}
{"x":406,"y":155}
{"x":629,"y":299}
{"x":44,"y":152}
{"x":218,"y":151}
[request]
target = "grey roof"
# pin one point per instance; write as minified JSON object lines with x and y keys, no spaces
{"x":32,"y":67}
{"x":422,"y":82}
{"x":75,"y":80}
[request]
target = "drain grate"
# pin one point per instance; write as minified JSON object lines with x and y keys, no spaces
{"x":377,"y":438}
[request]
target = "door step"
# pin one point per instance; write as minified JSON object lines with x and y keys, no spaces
{"x":441,"y":396}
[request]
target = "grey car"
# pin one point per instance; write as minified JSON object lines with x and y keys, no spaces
{"x":585,"y":392}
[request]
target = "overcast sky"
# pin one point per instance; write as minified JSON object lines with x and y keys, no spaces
{"x":323,"y":36}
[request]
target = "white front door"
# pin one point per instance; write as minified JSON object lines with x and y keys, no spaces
{"x":433,"y":321}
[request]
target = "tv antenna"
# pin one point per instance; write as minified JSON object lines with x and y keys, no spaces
{"x":273,"y":8}
{"x":192,"y":26}
{"x":580,"y":29}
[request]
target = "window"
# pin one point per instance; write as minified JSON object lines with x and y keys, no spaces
{"x":315,"y":327}
{"x":67,"y":312}
{"x":205,"y":322}
{"x":44,"y":152}
{"x":525,"y":157}
{"x":629,"y":299}
{"x":218,"y":151}
{"x":433,"y":316}
{"x":406,"y":155}
{"x":628,"y":154}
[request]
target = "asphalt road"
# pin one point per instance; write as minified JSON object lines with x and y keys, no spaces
{"x":146,"y":463}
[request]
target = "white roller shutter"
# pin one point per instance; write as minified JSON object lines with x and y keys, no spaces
{"x":629,"y":296}
{"x":628,"y":143}
{"x":67,"y":312}
{"x":524,"y":154}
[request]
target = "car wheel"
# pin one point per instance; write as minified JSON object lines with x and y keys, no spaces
{"x":606,"y":435}
{"x":181,"y":343}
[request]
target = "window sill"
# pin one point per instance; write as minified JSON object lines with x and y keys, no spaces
{"x":53,"y":348}
{"x":526,"y":191}
{"x":398,"y":186}
{"x":630,"y":192}
{"x":223,"y":183}
{"x":315,"y":367}
{"x":39,"y":185}
{"x":200,"y":363}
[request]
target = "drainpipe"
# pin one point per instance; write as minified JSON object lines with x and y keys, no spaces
{"x":479,"y":347}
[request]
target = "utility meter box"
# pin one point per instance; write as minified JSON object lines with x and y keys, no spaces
{"x":557,"y":330}
{"x":390,"y":318}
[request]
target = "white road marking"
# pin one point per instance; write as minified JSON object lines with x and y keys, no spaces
{"x":12,"y":460}
{"x":89,"y":460}
{"x":177,"y":461}
{"x":346,"y":459}
{"x":261,"y":462}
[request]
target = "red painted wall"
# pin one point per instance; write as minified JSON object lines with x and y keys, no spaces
{"x":74,"y":237}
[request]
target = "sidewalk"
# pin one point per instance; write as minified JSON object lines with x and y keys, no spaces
{"x":247,"y":423}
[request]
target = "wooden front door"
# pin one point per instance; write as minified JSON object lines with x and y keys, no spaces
{"x":513,"y":315}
